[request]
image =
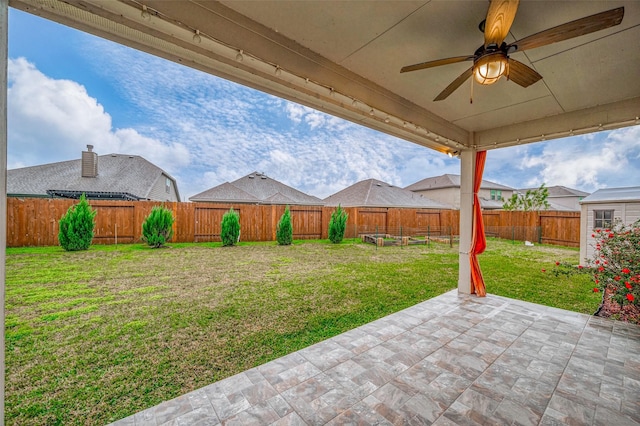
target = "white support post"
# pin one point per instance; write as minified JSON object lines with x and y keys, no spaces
{"x":467,"y":170}
{"x":4,"y":42}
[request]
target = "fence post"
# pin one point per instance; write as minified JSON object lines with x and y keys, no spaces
{"x":513,"y":234}
{"x":539,"y":234}
{"x":428,"y":235}
{"x":450,"y":236}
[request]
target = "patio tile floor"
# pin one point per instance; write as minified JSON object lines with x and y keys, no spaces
{"x":451,"y":360}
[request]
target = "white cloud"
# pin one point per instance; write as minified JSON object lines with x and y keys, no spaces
{"x":582,"y":162}
{"x":313,"y":118}
{"x":172,"y":156}
{"x":53,"y":120}
{"x":295,"y":111}
{"x":231,"y":130}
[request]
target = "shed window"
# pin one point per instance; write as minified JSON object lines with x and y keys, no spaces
{"x":602,"y":219}
{"x":167,"y":186}
{"x":496,"y":194}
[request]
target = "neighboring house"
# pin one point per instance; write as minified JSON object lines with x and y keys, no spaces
{"x":112,"y":176}
{"x":602,"y":209}
{"x":375,"y":193}
{"x":256,"y":188}
{"x":446,"y":189}
{"x":562,"y":198}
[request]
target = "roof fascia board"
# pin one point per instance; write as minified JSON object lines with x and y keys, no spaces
{"x":602,"y":117}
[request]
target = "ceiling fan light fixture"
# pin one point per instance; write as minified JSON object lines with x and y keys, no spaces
{"x":489,"y":68}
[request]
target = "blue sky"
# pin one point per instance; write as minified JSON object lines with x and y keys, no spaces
{"x":68,"y":89}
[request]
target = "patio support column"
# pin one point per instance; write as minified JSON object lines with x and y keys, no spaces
{"x":4,"y":38}
{"x":467,"y":170}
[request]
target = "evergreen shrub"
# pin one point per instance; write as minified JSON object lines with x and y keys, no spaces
{"x":76,"y":226}
{"x":337,"y":225}
{"x":284,"y":230}
{"x":157,"y":227}
{"x":230,"y":233}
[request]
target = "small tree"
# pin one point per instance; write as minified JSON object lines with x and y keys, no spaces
{"x":157,"y":227}
{"x":532,"y":200}
{"x":337,"y":225}
{"x":76,"y":226}
{"x":284,"y":230}
{"x":230,"y":225}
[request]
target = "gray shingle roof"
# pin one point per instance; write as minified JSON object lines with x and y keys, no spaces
{"x":257,"y":188}
{"x":559,"y":207}
{"x":560,"y":191}
{"x":491,"y":204}
{"x":225,"y":192}
{"x":117,"y":173}
{"x":375,"y":193}
{"x":450,"y":181}
{"x":631,"y":193}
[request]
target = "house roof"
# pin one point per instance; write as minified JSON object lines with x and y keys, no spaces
{"x":631,"y":193}
{"x":450,"y":181}
{"x":256,"y":188}
{"x":491,"y":204}
{"x":560,"y":208}
{"x":118,"y":174}
{"x":225,"y":192}
{"x":375,"y":193}
{"x":559,"y":191}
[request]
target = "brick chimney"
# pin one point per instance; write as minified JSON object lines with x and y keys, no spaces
{"x":89,"y":162}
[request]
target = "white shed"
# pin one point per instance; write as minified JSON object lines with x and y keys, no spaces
{"x":601,"y":209}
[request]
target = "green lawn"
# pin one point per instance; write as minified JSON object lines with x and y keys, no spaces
{"x":92,"y":337}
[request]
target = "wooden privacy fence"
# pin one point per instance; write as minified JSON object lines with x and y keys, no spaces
{"x":34,"y":222}
{"x":546,"y":227}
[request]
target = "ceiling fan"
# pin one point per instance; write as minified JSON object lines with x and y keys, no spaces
{"x":491,"y":60}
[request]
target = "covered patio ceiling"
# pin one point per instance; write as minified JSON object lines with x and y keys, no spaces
{"x":344,"y":58}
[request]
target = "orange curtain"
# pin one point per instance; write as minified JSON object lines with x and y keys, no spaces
{"x":478,"y":241}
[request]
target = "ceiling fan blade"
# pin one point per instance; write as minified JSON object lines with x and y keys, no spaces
{"x":437,"y":63}
{"x":572,"y":29}
{"x":499,"y":20}
{"x":454,"y":85}
{"x":522,"y":74}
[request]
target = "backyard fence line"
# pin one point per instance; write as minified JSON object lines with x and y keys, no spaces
{"x":34,"y":222}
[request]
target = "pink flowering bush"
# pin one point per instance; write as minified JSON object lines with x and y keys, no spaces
{"x":616,"y":268}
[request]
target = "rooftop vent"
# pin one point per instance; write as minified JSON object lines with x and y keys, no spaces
{"x":263,"y":177}
{"x":378,"y":184}
{"x":251,"y":176}
{"x":89,"y":163}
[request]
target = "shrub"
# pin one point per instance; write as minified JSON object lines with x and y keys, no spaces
{"x":616,"y":262}
{"x":76,"y":226}
{"x":157,"y":227}
{"x":230,"y":225}
{"x":284,"y":230}
{"x":337,"y":225}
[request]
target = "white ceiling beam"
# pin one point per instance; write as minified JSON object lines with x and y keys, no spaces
{"x":602,"y":117}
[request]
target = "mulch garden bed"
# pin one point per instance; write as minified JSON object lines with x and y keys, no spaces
{"x":611,"y":309}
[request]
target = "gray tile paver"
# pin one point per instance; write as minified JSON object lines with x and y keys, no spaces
{"x":451,"y":360}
